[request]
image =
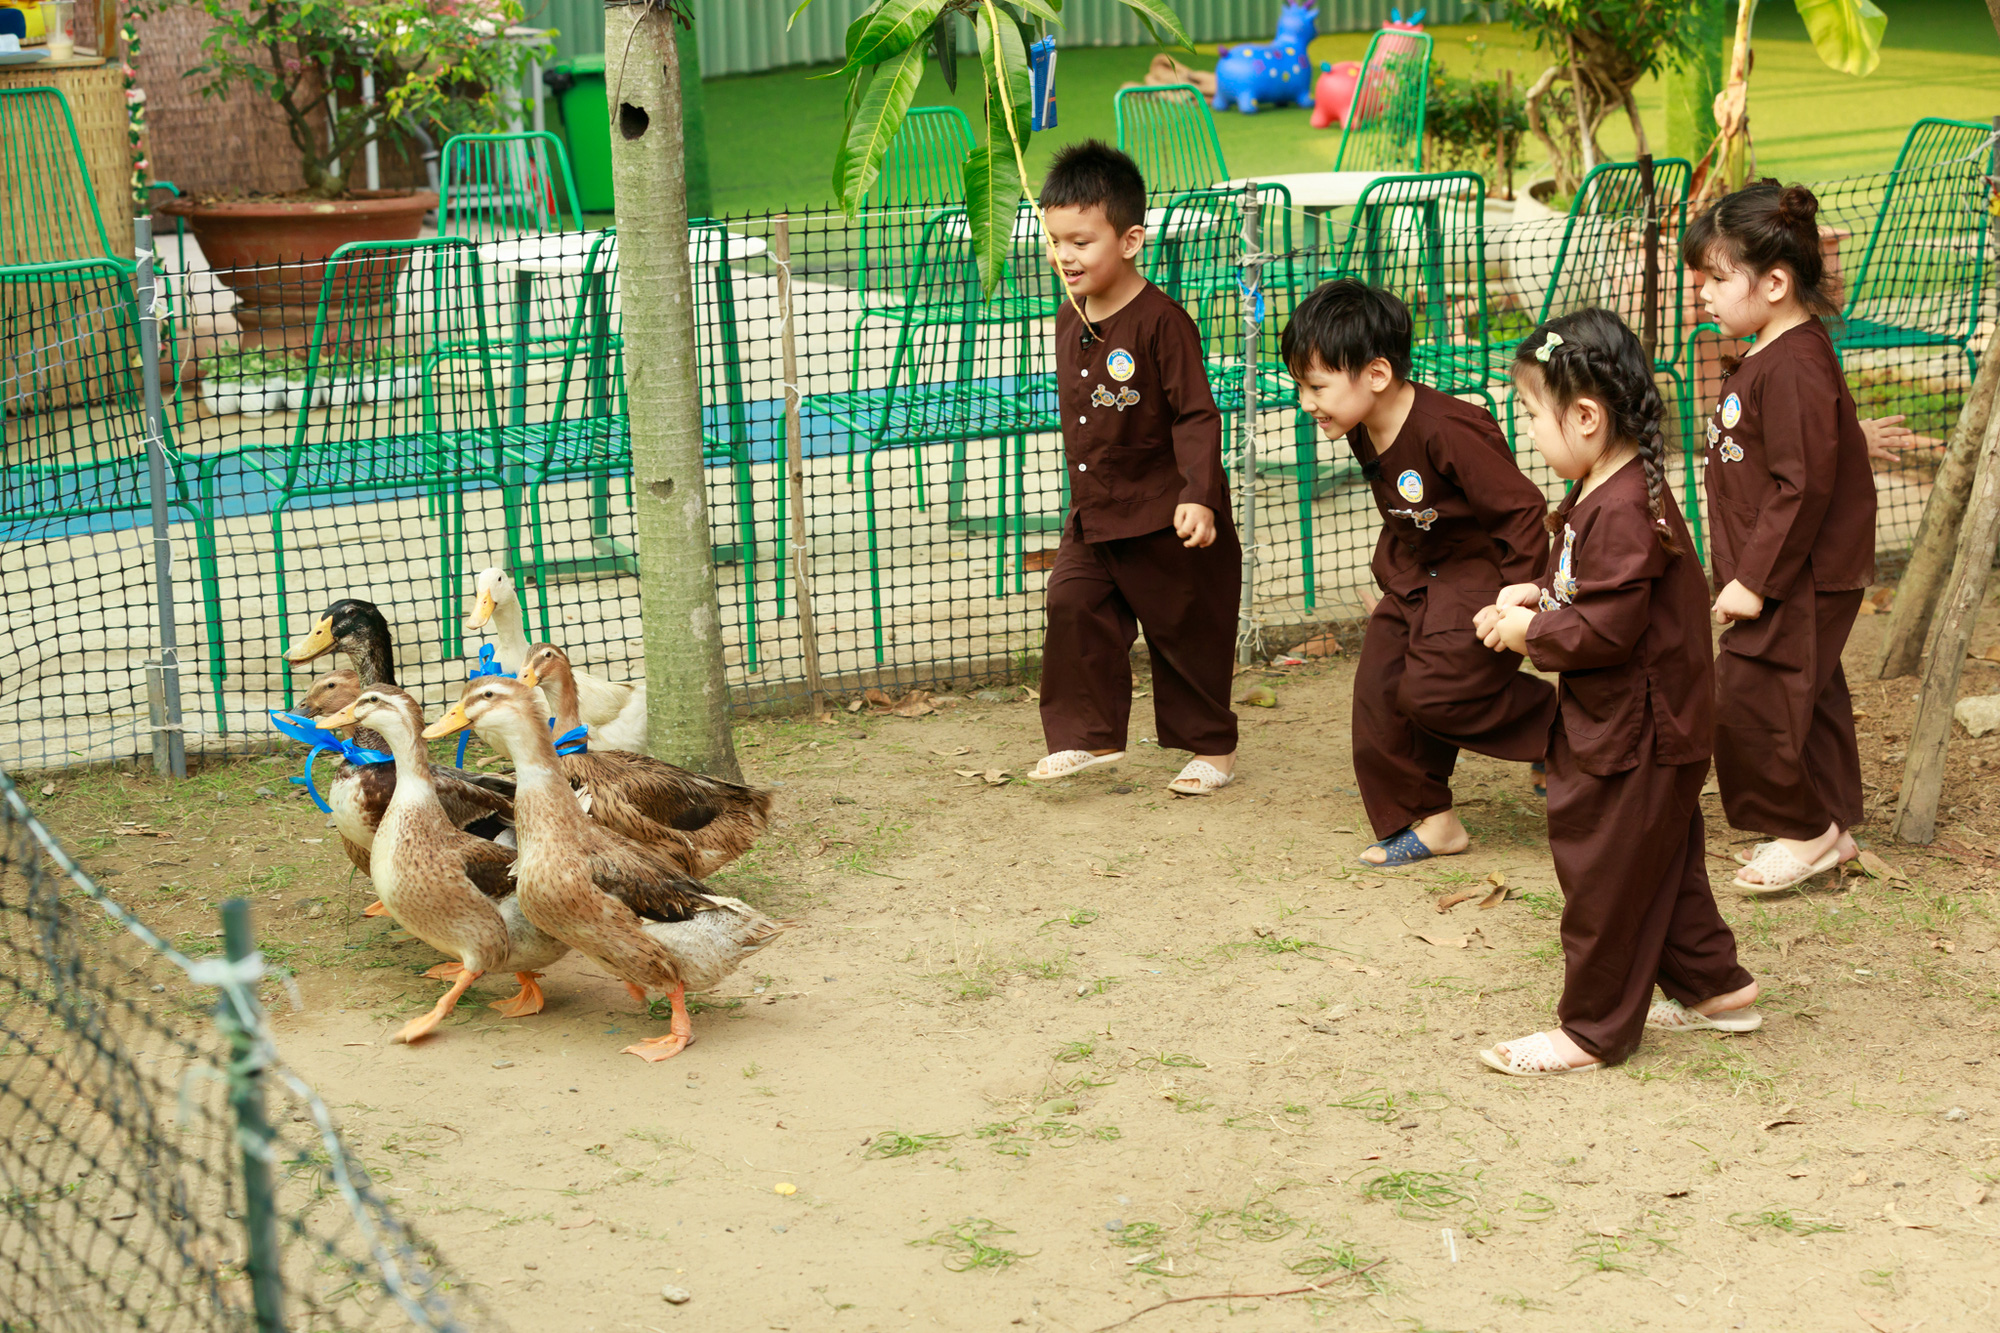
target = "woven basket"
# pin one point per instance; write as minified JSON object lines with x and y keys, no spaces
{"x":95,"y":91}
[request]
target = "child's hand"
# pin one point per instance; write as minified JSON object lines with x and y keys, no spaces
{"x":1887,"y":436}
{"x":1194,"y":525}
{"x":1504,"y":629}
{"x":1519,"y":594}
{"x":1737,"y":602}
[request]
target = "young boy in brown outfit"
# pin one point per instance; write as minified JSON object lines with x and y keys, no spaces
{"x":1459,"y":522}
{"x":1148,"y":540}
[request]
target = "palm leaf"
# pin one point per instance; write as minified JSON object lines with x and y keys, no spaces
{"x":1846,"y":33}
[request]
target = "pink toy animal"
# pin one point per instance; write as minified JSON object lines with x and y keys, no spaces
{"x":1333,"y":95}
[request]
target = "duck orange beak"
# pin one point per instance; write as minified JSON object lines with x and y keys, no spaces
{"x":453,"y":721}
{"x":482,"y":610}
{"x":344,"y":718}
{"x":317,"y":643}
{"x":529,"y":676}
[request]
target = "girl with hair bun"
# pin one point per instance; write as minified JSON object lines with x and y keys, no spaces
{"x":1791,"y":502}
{"x":1622,"y":615}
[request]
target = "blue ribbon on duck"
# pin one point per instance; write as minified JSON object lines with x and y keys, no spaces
{"x":319,"y":741}
{"x":574,"y":741}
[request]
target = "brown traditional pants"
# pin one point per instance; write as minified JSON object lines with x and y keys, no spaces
{"x":1099,"y":594}
{"x":1785,"y":752}
{"x":1425,"y":688}
{"x":1629,"y":852}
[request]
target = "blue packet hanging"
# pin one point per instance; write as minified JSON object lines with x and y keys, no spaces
{"x":1042,"y":81}
{"x":302,"y":730}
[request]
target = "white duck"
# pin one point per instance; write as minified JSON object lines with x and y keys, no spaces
{"x":615,"y":712}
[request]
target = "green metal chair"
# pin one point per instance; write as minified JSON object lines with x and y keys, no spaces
{"x":959,"y":372}
{"x":1385,"y":128}
{"x":48,"y":210}
{"x":72,"y":416}
{"x":1424,"y":238}
{"x":922,"y":170}
{"x":1600,"y":260}
{"x":398,"y":399}
{"x":1170,"y":132}
{"x":1918,"y":282}
{"x":502,"y":185}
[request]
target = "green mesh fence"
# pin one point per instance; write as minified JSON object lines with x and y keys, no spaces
{"x":162,"y":1167}
{"x":391,"y":425}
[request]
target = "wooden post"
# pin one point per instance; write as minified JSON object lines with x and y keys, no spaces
{"x":1506,"y":133}
{"x":799,"y":536}
{"x":1923,"y":769}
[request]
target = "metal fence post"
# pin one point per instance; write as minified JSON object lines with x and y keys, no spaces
{"x":163,"y":675}
{"x":254,"y":1138}
{"x":1247,"y":633}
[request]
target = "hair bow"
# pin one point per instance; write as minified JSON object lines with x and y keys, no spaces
{"x":1549,"y":344}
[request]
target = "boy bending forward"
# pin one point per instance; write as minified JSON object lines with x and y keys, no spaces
{"x":1148,"y":540}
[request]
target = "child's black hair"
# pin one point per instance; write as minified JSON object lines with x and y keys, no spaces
{"x":1093,"y":172}
{"x":1761,"y":227}
{"x":1592,"y":354}
{"x":1344,"y":325}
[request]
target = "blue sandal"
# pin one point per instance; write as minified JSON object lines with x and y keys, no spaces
{"x":1540,"y":771}
{"x":1405,"y":849}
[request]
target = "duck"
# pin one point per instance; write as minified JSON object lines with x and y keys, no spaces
{"x":359,"y":793}
{"x":614,"y":711}
{"x":624,"y":905}
{"x":642,"y":797}
{"x":450,"y":889}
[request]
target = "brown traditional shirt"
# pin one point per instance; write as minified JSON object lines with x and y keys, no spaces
{"x":1141,"y":434}
{"x":1627,"y":626}
{"x":1455,"y":507}
{"x":1789,"y":486}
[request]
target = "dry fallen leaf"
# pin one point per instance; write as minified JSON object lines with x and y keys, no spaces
{"x":966,"y":772}
{"x":1969,"y":1194}
{"x":1991,"y":654}
{"x":857,"y":705}
{"x":1451,"y":900}
{"x":1323,"y":645}
{"x":1858,"y":1178}
{"x":1371,"y":971}
{"x":575,"y":1223}
{"x":1889,"y":1211}
{"x":1438,"y":942}
{"x":1798,"y":1174}
{"x":1495,"y":898}
{"x":1042,"y":559}
{"x":994,"y":777}
{"x":914,"y":704}
{"x":1770,"y":1125}
{"x":954,"y":753}
{"x":1031,"y":692}
{"x":1876,"y":868}
{"x":1944,"y":945}
{"x":48,"y":789}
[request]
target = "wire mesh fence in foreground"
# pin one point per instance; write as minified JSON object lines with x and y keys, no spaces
{"x":881,"y":436}
{"x":162,"y":1169}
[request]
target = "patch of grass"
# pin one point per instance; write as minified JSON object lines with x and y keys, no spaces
{"x":1419,"y":1195}
{"x":1340,"y":1261}
{"x":1169,"y":1060}
{"x":1075,"y":1051}
{"x":1290,"y":1113}
{"x":971,"y":1245}
{"x":1535,"y":1207}
{"x":895,"y":1143}
{"x":1785,"y":1220}
{"x":1542,"y":905}
{"x":1076,"y":918}
{"x":1382,"y":1106}
{"x":1604,"y":1254}
{"x":1261,"y":1220}
{"x":1522,"y":1303}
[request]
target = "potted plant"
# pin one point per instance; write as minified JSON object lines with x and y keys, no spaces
{"x":343,"y":74}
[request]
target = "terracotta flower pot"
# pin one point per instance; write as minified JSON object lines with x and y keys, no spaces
{"x":272,"y":254}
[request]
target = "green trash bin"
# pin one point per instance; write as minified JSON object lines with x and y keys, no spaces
{"x":585,"y":112}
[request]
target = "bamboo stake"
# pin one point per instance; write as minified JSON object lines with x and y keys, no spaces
{"x":795,"y":461}
{"x":1923,"y":770}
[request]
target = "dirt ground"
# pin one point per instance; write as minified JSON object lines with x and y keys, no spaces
{"x":1047,"y":1056}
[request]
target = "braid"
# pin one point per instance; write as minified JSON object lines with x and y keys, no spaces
{"x":1592,"y":352}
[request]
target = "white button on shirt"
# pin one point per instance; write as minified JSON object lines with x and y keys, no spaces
{"x":1083,"y":421}
{"x":1083,"y":467}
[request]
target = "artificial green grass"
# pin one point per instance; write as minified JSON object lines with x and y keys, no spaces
{"x":772,"y":137}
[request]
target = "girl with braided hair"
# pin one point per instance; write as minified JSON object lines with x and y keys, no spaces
{"x":1791,"y":502}
{"x":1622,"y":615}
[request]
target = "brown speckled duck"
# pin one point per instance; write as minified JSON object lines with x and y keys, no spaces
{"x":623,"y":904}
{"x":643,"y":797}
{"x":359,"y":793}
{"x":453,"y":891}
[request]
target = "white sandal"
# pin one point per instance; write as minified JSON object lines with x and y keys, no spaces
{"x":1066,"y":763}
{"x":1532,"y":1056}
{"x":1670,"y":1015}
{"x":1205,"y":776}
{"x":1782,"y":870}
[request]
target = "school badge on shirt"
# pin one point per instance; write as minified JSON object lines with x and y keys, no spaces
{"x":1732,"y":411}
{"x":1410,"y":486}
{"x":1119,"y":365}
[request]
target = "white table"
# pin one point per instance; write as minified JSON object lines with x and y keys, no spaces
{"x":1318,"y":193}
{"x":563,"y":254}
{"x":1028,"y":232}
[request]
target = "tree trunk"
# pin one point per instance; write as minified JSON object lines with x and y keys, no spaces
{"x":1937,"y":534}
{"x":1930,"y":735}
{"x":687,"y":715}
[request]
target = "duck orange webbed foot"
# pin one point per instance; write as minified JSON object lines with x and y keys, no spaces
{"x":679,"y":1037}
{"x":529,"y":1001}
{"x":446,"y":971}
{"x":418,"y":1027}
{"x":376,"y":908}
